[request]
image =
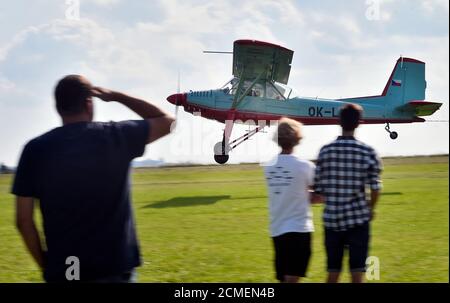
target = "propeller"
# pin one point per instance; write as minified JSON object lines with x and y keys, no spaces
{"x":177,"y":105}
{"x":178,"y":98}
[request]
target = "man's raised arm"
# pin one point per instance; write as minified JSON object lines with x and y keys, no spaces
{"x":159,"y":120}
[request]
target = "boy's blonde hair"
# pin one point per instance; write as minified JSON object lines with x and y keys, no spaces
{"x":289,"y":133}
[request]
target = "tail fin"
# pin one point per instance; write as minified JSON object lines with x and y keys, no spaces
{"x":407,"y":82}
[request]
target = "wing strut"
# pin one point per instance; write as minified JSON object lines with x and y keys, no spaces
{"x":238,"y":98}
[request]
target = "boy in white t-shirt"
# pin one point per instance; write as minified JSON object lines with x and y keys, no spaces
{"x":291,"y":223}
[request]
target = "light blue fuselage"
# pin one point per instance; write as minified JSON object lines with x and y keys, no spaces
{"x":406,"y":83}
{"x":308,"y":110}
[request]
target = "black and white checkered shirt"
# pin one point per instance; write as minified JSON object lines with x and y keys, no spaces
{"x":343,"y":170}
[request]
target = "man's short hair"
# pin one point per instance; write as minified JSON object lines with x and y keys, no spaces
{"x":289,"y":133}
{"x":71,"y":94}
{"x":350,"y":116}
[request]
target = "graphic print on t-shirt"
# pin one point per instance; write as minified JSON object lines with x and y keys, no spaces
{"x":278,"y":178}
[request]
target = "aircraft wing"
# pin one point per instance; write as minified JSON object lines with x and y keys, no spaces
{"x":252,"y":58}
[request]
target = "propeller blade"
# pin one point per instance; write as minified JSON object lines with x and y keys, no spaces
{"x":176,"y":113}
{"x":178,"y":82}
{"x":177,"y":102}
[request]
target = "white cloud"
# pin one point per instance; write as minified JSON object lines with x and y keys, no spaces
{"x":6,"y":85}
{"x":349,"y":25}
{"x":430,"y":6}
{"x":103,"y":2}
{"x":17,"y":39}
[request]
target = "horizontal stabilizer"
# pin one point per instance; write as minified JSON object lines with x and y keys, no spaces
{"x":422,"y":108}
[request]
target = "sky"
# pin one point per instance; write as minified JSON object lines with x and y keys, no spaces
{"x":342,"y":49}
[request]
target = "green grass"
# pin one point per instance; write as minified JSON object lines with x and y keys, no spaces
{"x":210,"y":224}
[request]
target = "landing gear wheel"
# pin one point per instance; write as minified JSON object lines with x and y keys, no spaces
{"x":221,"y":151}
{"x":393,"y":135}
{"x":221,"y":159}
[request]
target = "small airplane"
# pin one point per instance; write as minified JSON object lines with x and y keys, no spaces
{"x":258,"y":93}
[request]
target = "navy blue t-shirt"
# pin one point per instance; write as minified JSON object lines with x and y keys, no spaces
{"x":80,"y":174}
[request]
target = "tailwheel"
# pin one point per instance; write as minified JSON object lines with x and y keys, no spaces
{"x":392,"y":134}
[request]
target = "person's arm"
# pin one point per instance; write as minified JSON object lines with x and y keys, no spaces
{"x":374,"y":177}
{"x":316,"y":198}
{"x":317,"y":190}
{"x":374,"y":195}
{"x":160,"y":122}
{"x":27,"y":228}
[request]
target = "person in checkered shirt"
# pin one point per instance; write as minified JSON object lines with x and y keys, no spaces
{"x":344,"y":169}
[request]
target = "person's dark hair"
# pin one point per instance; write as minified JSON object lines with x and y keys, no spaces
{"x":71,"y":94}
{"x":350,"y":116}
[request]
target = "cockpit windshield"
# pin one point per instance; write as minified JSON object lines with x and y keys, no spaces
{"x":264,"y":89}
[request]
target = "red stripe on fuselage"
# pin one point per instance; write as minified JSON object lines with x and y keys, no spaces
{"x":223,"y":115}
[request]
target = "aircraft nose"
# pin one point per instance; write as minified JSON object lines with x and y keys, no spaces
{"x":177,"y":99}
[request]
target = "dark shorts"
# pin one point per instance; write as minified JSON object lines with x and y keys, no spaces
{"x":357,"y":242}
{"x":292,"y":254}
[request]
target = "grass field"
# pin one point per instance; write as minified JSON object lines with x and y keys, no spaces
{"x":210,"y":224}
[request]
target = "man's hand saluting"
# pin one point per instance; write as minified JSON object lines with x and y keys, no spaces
{"x":105,"y":94}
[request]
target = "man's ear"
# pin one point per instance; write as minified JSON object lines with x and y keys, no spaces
{"x":90,"y":107}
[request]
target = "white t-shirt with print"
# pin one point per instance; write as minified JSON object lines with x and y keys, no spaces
{"x":288,"y":181}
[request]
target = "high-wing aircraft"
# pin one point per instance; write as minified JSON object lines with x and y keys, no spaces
{"x":258,"y":93}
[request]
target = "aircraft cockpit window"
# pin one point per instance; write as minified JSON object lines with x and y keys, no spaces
{"x":230,"y":87}
{"x":267,"y":90}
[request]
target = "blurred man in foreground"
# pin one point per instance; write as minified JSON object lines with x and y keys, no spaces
{"x":343,"y":170}
{"x":80,"y":174}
